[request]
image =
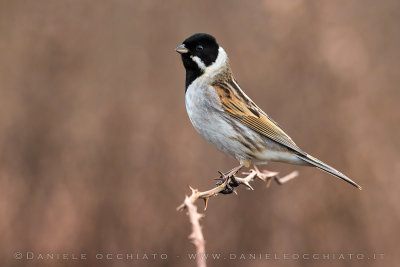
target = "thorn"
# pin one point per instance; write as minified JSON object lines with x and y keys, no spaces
{"x":261,"y":177}
{"x":248,"y":185}
{"x":181,"y":207}
{"x":206,"y":202}
{"x":269,"y":180}
{"x":194,"y":191}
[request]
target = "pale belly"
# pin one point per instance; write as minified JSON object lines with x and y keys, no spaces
{"x":228,"y":135}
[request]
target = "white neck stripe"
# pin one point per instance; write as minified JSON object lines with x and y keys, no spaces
{"x":199,"y":62}
{"x":219,"y":63}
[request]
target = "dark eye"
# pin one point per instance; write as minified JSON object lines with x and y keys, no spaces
{"x":199,"y":47}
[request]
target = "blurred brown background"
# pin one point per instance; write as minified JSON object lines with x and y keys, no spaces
{"x":96,"y":149}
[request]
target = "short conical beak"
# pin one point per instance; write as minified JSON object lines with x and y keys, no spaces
{"x":182,"y":49}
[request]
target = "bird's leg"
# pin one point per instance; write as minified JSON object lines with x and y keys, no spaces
{"x":231,"y":179}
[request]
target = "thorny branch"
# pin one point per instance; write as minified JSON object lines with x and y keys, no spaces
{"x":226,"y":184}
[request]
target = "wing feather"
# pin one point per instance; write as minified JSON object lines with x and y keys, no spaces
{"x":240,"y":107}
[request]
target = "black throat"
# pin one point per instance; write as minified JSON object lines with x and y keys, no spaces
{"x":191,"y":75}
{"x":192,"y":70}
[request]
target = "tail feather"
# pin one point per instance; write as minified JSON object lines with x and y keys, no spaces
{"x":322,"y":166}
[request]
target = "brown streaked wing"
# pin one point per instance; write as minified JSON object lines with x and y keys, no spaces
{"x":240,"y":107}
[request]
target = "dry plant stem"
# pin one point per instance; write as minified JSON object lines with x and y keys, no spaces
{"x":286,"y":178}
{"x":203,"y":195}
{"x":265,"y":176}
{"x":197,"y":235}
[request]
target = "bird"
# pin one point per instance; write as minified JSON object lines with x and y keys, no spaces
{"x":226,"y":117}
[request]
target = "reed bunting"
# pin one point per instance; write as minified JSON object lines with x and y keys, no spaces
{"x":227,"y":118}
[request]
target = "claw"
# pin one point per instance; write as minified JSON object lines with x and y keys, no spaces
{"x":227,"y":190}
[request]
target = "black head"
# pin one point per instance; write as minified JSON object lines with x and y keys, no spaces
{"x":198,"y":52}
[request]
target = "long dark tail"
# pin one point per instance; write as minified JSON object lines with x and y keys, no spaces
{"x":325,"y":167}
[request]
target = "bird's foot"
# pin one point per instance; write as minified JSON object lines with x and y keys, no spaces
{"x":230,"y":176}
{"x":229,"y":187}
